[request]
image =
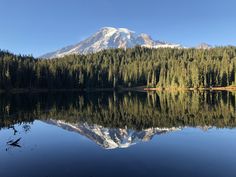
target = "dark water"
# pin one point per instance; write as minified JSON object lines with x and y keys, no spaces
{"x":110,"y":134}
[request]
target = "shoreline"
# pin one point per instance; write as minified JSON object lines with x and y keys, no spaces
{"x":36,"y":90}
{"x":228,"y":88}
{"x":137,"y":89}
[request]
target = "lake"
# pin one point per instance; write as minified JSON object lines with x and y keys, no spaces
{"x":113,"y":134}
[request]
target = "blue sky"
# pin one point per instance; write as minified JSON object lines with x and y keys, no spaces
{"x":40,"y":26}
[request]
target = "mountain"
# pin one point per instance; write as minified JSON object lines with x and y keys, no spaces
{"x":109,"y":37}
{"x":111,"y":138}
{"x":204,"y":46}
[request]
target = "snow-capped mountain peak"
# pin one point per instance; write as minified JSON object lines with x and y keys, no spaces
{"x":110,"y":37}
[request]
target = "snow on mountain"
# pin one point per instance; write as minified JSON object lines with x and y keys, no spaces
{"x":111,"y":138}
{"x":204,"y":46}
{"x":109,"y":37}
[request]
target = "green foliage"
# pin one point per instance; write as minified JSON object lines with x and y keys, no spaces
{"x":182,"y":68}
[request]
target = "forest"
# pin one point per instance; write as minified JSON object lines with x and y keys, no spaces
{"x":122,"y":68}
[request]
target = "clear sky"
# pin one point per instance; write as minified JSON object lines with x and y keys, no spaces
{"x":40,"y":26}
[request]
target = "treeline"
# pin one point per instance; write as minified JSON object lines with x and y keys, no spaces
{"x":114,"y":68}
{"x":119,"y":110}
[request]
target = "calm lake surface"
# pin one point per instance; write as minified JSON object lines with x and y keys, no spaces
{"x":107,"y":134}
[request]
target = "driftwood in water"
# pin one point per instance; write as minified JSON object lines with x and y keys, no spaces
{"x":14,"y":143}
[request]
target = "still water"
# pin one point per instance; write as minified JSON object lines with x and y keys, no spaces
{"x":101,"y":134}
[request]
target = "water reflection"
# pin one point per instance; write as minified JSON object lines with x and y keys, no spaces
{"x":150,"y":134}
{"x":118,"y":120}
{"x":111,"y":138}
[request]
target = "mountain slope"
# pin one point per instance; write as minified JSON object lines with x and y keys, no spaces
{"x":204,"y":46}
{"x":107,"y":38}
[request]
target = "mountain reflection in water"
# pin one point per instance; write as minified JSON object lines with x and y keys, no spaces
{"x":111,"y":138}
{"x":119,"y":120}
{"x":164,"y":134}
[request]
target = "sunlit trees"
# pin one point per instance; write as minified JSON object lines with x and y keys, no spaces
{"x":114,"y":68}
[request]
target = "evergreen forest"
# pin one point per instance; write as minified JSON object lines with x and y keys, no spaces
{"x":122,"y":68}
